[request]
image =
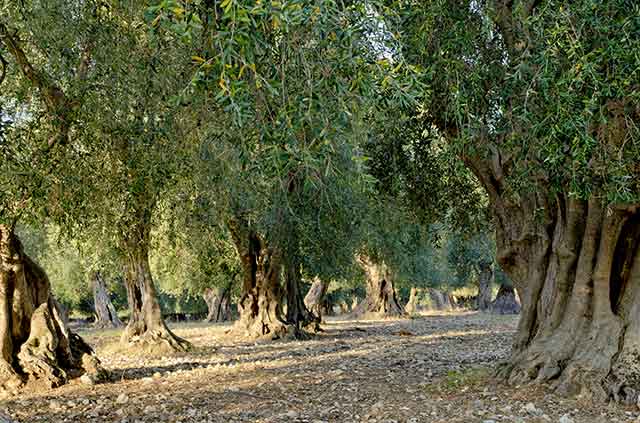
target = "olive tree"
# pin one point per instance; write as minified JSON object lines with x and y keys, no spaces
{"x":539,"y":99}
{"x":289,"y":84}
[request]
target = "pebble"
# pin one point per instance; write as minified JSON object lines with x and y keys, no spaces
{"x":86,"y":379}
{"x":122,"y":398}
{"x":531,"y":409}
{"x":565,"y":419}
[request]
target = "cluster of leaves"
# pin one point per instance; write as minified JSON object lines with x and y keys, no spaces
{"x":549,"y":88}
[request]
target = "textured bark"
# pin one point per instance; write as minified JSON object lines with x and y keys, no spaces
{"x":485,"y":274}
{"x":297,"y":312}
{"x":218,"y":304}
{"x":381,"y":299}
{"x":37,"y":347}
{"x":576,"y":267}
{"x":506,"y":301}
{"x":262,"y":297}
{"x":106,"y":315}
{"x":440,"y":301}
{"x":412,"y":304}
{"x":315,"y":300}
{"x":146,"y":328}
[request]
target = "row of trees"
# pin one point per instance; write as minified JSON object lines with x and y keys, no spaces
{"x":306,"y":135}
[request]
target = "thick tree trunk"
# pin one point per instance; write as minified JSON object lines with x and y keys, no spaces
{"x":440,"y":301}
{"x":146,"y":328}
{"x":315,"y":300}
{"x":218,"y":304}
{"x":297,"y":312}
{"x":576,"y":267}
{"x":37,"y":347}
{"x":506,"y":301}
{"x":261,"y":301}
{"x":106,"y":315}
{"x":381,"y":299}
{"x":485,"y":274}
{"x":412,"y":304}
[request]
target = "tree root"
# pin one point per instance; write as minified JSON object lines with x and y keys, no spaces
{"x":157,"y":341}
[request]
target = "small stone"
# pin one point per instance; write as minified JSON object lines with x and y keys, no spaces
{"x":565,"y":419}
{"x":86,"y":379}
{"x":488,"y":421}
{"x":54,"y":405}
{"x":531,"y":409}
{"x":292,"y":414}
{"x":122,"y":398}
{"x":157,"y":375}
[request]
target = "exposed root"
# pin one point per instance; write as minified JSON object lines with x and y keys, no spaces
{"x":157,"y":341}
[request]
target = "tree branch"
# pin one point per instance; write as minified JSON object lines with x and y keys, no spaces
{"x":58,"y":105}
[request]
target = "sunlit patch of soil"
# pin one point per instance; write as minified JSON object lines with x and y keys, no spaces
{"x":431,"y":368}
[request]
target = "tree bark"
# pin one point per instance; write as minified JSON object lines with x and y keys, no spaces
{"x":146,"y":329}
{"x":440,"y":301}
{"x":218,"y":304}
{"x":412,"y":304}
{"x":381,"y":299}
{"x":506,"y":301}
{"x":261,"y":301}
{"x":315,"y":300}
{"x":297,"y":314}
{"x":485,"y":274}
{"x":37,"y":347}
{"x":106,"y":315}
{"x":576,"y":267}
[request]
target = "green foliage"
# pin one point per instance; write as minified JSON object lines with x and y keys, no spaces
{"x":64,"y":266}
{"x":551,"y":91}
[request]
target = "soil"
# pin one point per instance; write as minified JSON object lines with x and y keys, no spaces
{"x":435,"y":367}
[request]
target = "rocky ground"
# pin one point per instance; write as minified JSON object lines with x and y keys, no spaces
{"x":434,"y":368}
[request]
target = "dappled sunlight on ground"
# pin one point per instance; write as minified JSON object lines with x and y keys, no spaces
{"x":431,"y":368}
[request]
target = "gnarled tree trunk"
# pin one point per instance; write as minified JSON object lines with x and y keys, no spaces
{"x":440,"y":301}
{"x":106,"y":315}
{"x":261,"y":301}
{"x":297,"y":314}
{"x":381,"y":299}
{"x":412,"y":304}
{"x":218,"y":304}
{"x":506,"y":301}
{"x":146,"y":328}
{"x":576,"y":267}
{"x":485,"y":274}
{"x":315,"y":298}
{"x":37,"y":347}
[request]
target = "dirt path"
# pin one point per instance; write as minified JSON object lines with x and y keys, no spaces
{"x":432,"y":369}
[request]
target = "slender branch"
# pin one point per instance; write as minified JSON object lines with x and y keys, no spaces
{"x":58,"y":105}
